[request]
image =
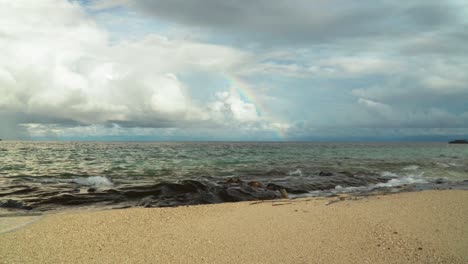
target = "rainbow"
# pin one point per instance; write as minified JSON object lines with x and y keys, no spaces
{"x":248,"y":95}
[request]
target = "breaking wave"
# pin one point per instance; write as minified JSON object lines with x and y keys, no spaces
{"x":411,"y":168}
{"x":97,"y":181}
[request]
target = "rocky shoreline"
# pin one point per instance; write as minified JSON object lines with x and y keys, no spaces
{"x":191,"y":192}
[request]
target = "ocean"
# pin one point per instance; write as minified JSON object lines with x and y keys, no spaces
{"x":42,"y":176}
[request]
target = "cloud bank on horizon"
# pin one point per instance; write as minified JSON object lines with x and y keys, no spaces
{"x":227,"y":70}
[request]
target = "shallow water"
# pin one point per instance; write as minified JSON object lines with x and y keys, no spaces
{"x":33,"y":172}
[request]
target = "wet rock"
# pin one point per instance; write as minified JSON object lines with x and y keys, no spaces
{"x":112,"y":191}
{"x":13,"y":204}
{"x":256,"y":184}
{"x":192,"y":192}
{"x":147,"y":201}
{"x":234,"y":181}
{"x":439,"y":181}
{"x":325,"y":173}
{"x":209,"y":198}
{"x":196,"y":185}
{"x":137,"y":191}
{"x":15,"y":190}
{"x":459,"y":141}
{"x":246,"y":193}
{"x":79,"y":199}
{"x":274,"y":187}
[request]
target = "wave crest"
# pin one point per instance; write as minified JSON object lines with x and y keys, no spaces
{"x":94,"y":181}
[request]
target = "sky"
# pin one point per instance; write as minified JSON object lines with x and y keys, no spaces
{"x":233,"y":70}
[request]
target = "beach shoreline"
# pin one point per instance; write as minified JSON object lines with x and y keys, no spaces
{"x":412,"y":227}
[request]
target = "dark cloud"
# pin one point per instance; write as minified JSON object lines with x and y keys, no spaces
{"x":26,"y":118}
{"x":447,"y":43}
{"x":10,"y":127}
{"x":305,"y":20}
{"x":12,"y":123}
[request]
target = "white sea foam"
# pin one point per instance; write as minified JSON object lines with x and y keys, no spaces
{"x":46,"y":180}
{"x":94,"y":181}
{"x":391,"y":183}
{"x":410,"y":179}
{"x":297,"y":172}
{"x":443,"y":165}
{"x":389,"y":174}
{"x":448,"y":165}
{"x":411,"y":168}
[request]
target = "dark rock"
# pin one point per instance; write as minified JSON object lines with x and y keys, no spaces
{"x":192,"y":192}
{"x":459,"y":141}
{"x":246,"y":193}
{"x":325,"y":173}
{"x":20,"y":189}
{"x":147,"y":201}
{"x":439,"y":181}
{"x":256,"y":184}
{"x":347,"y":173}
{"x":234,"y":180}
{"x":274,"y":187}
{"x":13,"y":204}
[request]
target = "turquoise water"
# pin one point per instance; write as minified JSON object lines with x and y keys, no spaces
{"x":45,"y":169}
{"x":172,"y":161}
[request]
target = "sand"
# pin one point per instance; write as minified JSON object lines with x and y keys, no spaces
{"x":420,"y":227}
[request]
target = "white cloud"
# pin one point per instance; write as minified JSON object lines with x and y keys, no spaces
{"x":377,"y":106}
{"x":67,"y":68}
{"x":63,"y":67}
{"x":105,"y":4}
{"x":231,"y":104}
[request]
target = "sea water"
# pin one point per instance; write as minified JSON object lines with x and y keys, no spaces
{"x":35,"y":171}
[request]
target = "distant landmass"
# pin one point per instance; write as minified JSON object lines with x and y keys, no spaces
{"x":459,"y":141}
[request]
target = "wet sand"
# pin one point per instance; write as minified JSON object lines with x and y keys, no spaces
{"x":418,"y":227}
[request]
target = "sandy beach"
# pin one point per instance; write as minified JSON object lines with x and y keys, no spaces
{"x":419,"y":227}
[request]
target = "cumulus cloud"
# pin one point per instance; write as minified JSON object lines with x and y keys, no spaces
{"x":64,"y":69}
{"x":67,"y":69}
{"x":230,"y":103}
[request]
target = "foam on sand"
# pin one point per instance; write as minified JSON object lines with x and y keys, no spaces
{"x":9,"y":224}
